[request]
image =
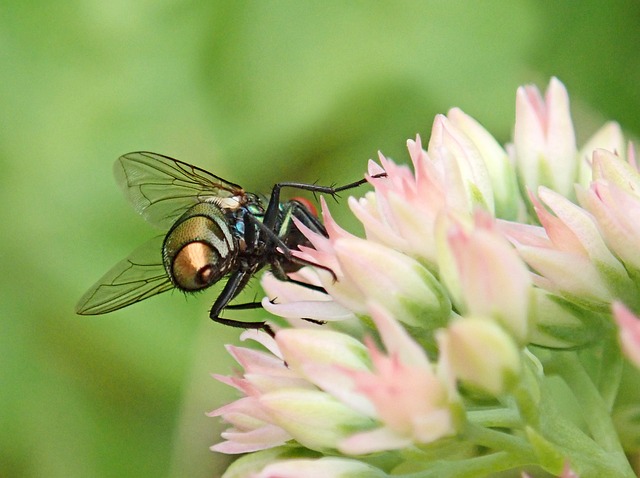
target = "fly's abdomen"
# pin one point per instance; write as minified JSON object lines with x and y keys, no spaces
{"x":199,"y":249}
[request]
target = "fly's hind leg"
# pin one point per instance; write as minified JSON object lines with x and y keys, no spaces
{"x":236,"y":283}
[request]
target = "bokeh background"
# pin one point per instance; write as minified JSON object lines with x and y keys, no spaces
{"x":255,"y":92}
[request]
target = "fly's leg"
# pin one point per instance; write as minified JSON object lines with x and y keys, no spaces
{"x":317,"y":288}
{"x":249,"y":305}
{"x":286,"y":252}
{"x":271,"y":214}
{"x":235,"y":284}
{"x":314,"y":321}
{"x":246,"y":306}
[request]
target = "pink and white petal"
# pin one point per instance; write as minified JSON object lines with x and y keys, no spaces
{"x":583,"y":226}
{"x":256,"y":361}
{"x":395,"y":338}
{"x":430,"y":427}
{"x":618,"y":216}
{"x":493,"y":155}
{"x":544,"y":138}
{"x":379,"y":439}
{"x":524,"y":234}
{"x":327,"y":467}
{"x":374,"y":168}
{"x":244,"y":414}
{"x":286,"y":291}
{"x":327,"y":311}
{"x":268,"y":383}
{"x":560,"y":133}
{"x":314,"y":418}
{"x":378,"y":271}
{"x":264,"y":339}
{"x":399,"y":176}
{"x":239,"y":383}
{"x":529,"y":132}
{"x":338,"y":382}
{"x":612,"y":168}
{"x":628,"y":332}
{"x":320,"y":346}
{"x":377,"y":228}
{"x":415,"y":225}
{"x":468,"y":159}
{"x":557,"y":227}
{"x":608,"y":137}
{"x":570,"y":274}
{"x":268,"y":436}
{"x":494,"y":280}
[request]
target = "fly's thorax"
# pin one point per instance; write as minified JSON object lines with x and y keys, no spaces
{"x":200,"y":248}
{"x":247,"y":239}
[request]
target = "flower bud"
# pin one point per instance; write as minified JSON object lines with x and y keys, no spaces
{"x":462,"y":161}
{"x":408,"y":290}
{"x":313,"y":418}
{"x":481,"y":354}
{"x":486,"y":275}
{"x":560,"y":324}
{"x":499,"y":167}
{"x":544,"y":139}
{"x":328,"y":467}
{"x":609,"y":138}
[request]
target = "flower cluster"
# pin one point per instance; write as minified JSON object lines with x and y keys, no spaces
{"x":480,"y":326}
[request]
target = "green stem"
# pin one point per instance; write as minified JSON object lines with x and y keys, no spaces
{"x":610,"y":372}
{"x":471,"y":467}
{"x":499,"y":441}
{"x":607,"y":458}
{"x":594,"y":408}
{"x":495,"y":418}
{"x":562,"y":440}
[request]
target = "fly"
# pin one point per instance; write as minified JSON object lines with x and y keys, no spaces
{"x":215,"y":229}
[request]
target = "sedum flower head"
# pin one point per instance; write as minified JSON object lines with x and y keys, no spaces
{"x":544,"y":144}
{"x":480,"y":326}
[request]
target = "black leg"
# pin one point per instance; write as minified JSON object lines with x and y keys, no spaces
{"x":308,"y":286}
{"x":236,"y":282}
{"x":271,"y":235}
{"x":245,"y":325}
{"x":271,"y":214}
{"x":314,"y":321}
{"x":245,"y":306}
{"x":286,"y":252}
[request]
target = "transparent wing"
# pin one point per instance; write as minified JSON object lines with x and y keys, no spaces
{"x":133,"y":279}
{"x":162,"y":188}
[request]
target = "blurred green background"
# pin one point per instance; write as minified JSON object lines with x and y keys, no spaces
{"x":255,"y":92}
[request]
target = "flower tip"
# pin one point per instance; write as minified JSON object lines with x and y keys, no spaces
{"x":415,"y":144}
{"x":555,"y":83}
{"x":374,"y":168}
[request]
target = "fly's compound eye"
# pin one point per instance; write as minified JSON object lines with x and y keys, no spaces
{"x":194,"y":266}
{"x":197,"y":250}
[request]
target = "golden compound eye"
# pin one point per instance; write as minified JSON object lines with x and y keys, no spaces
{"x":194,"y":266}
{"x":205,"y":275}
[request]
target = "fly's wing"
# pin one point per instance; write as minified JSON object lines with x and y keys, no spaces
{"x":162,"y":188}
{"x":133,"y":279}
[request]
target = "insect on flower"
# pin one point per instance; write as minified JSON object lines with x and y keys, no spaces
{"x":215,"y":229}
